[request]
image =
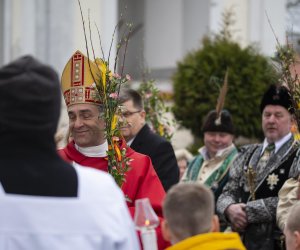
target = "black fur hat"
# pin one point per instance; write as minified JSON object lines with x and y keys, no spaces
{"x":211,"y":124}
{"x":277,"y":95}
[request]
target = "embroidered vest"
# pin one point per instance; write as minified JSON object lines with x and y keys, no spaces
{"x":272,"y":183}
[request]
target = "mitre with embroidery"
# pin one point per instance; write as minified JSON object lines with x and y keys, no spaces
{"x":78,"y":81}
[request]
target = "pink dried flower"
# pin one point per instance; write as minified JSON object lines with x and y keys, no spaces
{"x":115,"y":138}
{"x":128,"y":77}
{"x":114,"y":95}
{"x":148,"y":95}
{"x":116,"y":75}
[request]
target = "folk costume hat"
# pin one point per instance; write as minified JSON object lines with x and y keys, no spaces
{"x":30,"y":97}
{"x":277,"y":95}
{"x":226,"y":124}
{"x":219,"y":120}
{"x":78,"y":81}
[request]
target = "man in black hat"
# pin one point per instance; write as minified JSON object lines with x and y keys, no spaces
{"x":211,"y":166}
{"x":250,"y":197}
{"x":46,"y":203}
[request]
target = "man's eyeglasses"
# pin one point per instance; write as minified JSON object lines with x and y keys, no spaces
{"x":129,"y":113}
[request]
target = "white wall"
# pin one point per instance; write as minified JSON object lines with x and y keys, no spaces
{"x":252,"y":26}
{"x":52,"y":30}
{"x":104,"y":15}
{"x":172,"y":29}
{"x":195,"y":23}
{"x":22,"y":35}
{"x":259,"y":27}
{"x":163,"y":37}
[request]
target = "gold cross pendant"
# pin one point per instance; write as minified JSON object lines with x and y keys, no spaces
{"x":251,"y":175}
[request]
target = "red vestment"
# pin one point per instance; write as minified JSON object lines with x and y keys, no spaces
{"x":141,"y":180}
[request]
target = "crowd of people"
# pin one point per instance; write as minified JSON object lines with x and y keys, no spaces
{"x":223,"y":198}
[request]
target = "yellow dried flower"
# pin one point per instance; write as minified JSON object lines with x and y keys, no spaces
{"x":103,"y":68}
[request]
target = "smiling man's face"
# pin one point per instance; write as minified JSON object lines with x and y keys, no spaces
{"x":85,"y":125}
{"x":276,"y":122}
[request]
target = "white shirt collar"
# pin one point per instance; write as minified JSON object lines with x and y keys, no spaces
{"x":220,"y":153}
{"x":130,"y":141}
{"x":278,"y":144}
{"x":95,"y":151}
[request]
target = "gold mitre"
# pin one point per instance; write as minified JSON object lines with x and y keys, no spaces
{"x":78,"y":80}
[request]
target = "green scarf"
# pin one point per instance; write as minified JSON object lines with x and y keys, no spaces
{"x":217,"y":175}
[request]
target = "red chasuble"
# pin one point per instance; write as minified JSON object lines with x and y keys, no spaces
{"x":141,"y":180}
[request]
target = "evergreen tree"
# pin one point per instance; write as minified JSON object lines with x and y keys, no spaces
{"x":200,"y":75}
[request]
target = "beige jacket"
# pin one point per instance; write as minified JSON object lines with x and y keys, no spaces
{"x":287,"y":198}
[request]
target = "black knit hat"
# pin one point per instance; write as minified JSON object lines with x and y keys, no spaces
{"x":211,"y":125}
{"x":277,"y":95}
{"x":29,"y":97}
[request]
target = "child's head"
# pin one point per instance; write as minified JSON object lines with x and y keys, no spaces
{"x":292,"y":228}
{"x":188,"y":211}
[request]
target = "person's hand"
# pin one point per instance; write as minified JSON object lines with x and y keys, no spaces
{"x":237,"y":215}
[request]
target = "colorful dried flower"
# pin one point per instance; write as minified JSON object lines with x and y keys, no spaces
{"x":108,"y":86}
{"x":114,"y":95}
{"x":128,"y":77}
